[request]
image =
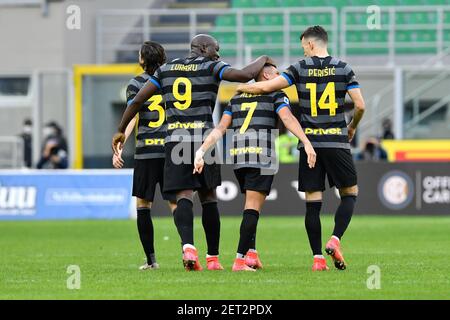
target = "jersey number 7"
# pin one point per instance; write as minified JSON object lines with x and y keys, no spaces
{"x":250,"y":106}
{"x":328,"y":94}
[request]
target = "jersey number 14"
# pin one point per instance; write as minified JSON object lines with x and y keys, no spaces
{"x":326,"y":101}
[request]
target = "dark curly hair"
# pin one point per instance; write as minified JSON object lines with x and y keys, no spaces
{"x":153,"y":56}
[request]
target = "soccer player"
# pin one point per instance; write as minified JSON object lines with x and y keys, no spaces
{"x":322,"y":82}
{"x":189,"y":86}
{"x":253,"y":119}
{"x":149,"y":155}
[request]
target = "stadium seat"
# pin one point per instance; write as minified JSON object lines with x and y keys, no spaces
{"x":226,"y":20}
{"x":272,"y":19}
{"x":268,"y":3}
{"x":299,"y":19}
{"x":252,"y":20}
{"x":242,"y":3}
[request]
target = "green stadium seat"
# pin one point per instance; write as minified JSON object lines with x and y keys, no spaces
{"x":292,"y":3}
{"x":252,"y":20}
{"x":226,"y":20}
{"x":298,"y":19}
{"x":272,"y":19}
{"x":254,"y":37}
{"x":268,"y":3}
{"x":242,"y":3}
{"x":447,"y":17}
{"x":319,"y":19}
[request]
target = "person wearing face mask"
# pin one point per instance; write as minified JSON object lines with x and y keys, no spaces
{"x":26,"y":136}
{"x":54,"y":149}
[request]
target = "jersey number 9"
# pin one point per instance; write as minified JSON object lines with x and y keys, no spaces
{"x":184,"y":99}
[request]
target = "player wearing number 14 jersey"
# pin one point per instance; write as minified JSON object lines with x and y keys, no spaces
{"x":189,"y":88}
{"x":322,"y":82}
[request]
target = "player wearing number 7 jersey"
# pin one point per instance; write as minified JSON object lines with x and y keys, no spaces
{"x":322,"y":82}
{"x":189,"y":87}
{"x":253,"y":119}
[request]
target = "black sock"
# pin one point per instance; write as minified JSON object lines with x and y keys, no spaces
{"x":343,"y":215}
{"x":248,"y":230}
{"x":145,"y":229}
{"x":211,"y":225}
{"x":184,"y":220}
{"x":313,"y":226}
{"x":253,"y":242}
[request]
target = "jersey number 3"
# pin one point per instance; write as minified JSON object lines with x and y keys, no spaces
{"x":328,"y":94}
{"x":155,"y":105}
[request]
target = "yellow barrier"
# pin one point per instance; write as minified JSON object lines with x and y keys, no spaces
{"x":417,"y":150}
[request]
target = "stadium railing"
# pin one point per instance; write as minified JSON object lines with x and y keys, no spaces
{"x":277,"y":35}
{"x":11,"y":152}
{"x":402,"y":30}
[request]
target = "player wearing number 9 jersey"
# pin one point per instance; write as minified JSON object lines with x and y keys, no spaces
{"x":189,"y":87}
{"x":322,"y":82}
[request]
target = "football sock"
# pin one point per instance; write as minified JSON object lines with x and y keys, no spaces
{"x":248,"y":229}
{"x":343,"y":215}
{"x":184,"y":221}
{"x":211,"y":225}
{"x":313,"y":226}
{"x":145,"y":229}
{"x":253,"y":243}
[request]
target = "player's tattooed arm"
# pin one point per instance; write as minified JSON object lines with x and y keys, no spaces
{"x":211,"y":140}
{"x":291,"y":123}
{"x":130,"y":112}
{"x":263,"y":87}
{"x":358,"y":100}
{"x":247,"y":73}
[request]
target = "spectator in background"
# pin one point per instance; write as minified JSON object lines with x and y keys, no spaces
{"x":387,"y":129}
{"x":54,"y":149}
{"x":27,"y":142}
{"x":372,"y":151}
{"x":286,"y":146}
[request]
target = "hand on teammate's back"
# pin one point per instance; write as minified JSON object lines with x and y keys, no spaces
{"x":311,"y":155}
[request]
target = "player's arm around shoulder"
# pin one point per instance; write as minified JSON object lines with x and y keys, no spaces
{"x":247,"y":73}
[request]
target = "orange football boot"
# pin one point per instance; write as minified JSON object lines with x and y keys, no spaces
{"x":212,"y":263}
{"x":252,"y":260}
{"x":333,"y":249}
{"x":190,"y":260}
{"x":320,"y":264}
{"x":239,"y":265}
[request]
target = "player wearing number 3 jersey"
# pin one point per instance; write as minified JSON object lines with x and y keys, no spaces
{"x":189,"y":88}
{"x":322,"y":82}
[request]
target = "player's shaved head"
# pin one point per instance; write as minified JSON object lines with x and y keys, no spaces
{"x":206,"y":46}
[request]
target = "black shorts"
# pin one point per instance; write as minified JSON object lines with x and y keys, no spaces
{"x":179,"y":176}
{"x":147,"y":174}
{"x":251,"y":179}
{"x":336,"y":164}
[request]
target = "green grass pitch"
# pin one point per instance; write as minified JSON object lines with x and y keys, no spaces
{"x":411,"y":252}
